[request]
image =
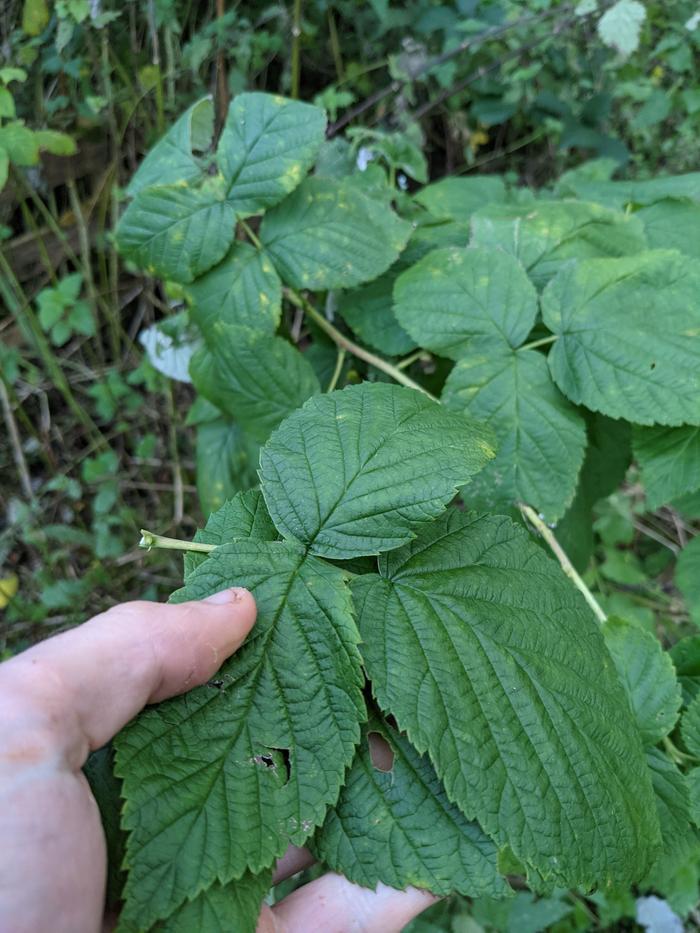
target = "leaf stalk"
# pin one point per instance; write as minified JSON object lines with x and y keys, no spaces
{"x":150,"y":540}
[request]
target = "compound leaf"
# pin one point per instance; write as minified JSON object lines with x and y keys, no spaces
{"x":255,"y":378}
{"x":176,"y":231}
{"x":172,"y":158}
{"x":397,"y":827}
{"x":219,"y":781}
{"x":267,"y":146}
{"x":330,"y":235}
{"x":648,"y":675}
{"x":242,"y":289}
{"x":629,"y":336}
{"x":488,"y":658}
{"x":355,"y":472}
{"x":545,"y":235}
{"x":452,"y":295}
{"x":541,"y":437}
{"x":669,"y":460}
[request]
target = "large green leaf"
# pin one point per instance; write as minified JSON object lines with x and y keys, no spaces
{"x":356,"y":472}
{"x":330,"y":235}
{"x":176,"y":231}
{"x":398,"y":827}
{"x":256,"y":379}
{"x":688,"y":577}
{"x":672,"y":224}
{"x":648,"y":675}
{"x":222,"y":908}
{"x":172,"y":158}
{"x":227,"y":460}
{"x":459,"y":198}
{"x":541,"y":438}
{"x":690,"y":727}
{"x":545,"y":235}
{"x":219,"y":781}
{"x":267,"y":146}
{"x":489,"y":659}
{"x":669,"y":459}
{"x":685,"y":655}
{"x":629,"y":336}
{"x":242,"y":289}
{"x":452,"y":295}
{"x":369,"y":311}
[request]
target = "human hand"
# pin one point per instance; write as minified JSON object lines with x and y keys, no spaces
{"x":70,"y":695}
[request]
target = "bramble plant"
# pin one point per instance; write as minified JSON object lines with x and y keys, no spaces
{"x":531,"y":735}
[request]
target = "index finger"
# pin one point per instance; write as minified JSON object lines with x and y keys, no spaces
{"x":73,"y":692}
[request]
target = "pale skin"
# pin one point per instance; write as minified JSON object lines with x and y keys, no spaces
{"x":69,"y":695}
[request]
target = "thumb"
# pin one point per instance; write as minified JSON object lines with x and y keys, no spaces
{"x":100,"y":675}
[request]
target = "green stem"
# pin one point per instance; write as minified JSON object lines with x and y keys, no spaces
{"x":539,"y":343}
{"x":250,"y":233}
{"x":150,"y":540}
{"x":338,"y":369}
{"x":340,"y":340}
{"x":566,"y":565}
{"x":335,"y":46}
{"x":412,"y":358}
{"x":296,"y":50}
{"x":676,"y":754}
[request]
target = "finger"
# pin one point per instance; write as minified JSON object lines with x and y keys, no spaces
{"x":82,"y":686}
{"x":334,"y":903}
{"x":293,"y":860}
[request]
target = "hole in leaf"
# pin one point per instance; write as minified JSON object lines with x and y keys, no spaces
{"x":380,"y":752}
{"x":276,"y":760}
{"x":653,"y":365}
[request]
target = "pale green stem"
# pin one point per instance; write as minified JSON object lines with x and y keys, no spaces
{"x":539,"y":343}
{"x":250,"y":233}
{"x":564,"y":561}
{"x":338,"y":369}
{"x":409,"y":360}
{"x":150,"y":540}
{"x":340,"y":340}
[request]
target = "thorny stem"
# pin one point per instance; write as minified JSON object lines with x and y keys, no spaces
{"x":539,"y":343}
{"x":150,"y":540}
{"x":340,"y":340}
{"x":566,"y":565}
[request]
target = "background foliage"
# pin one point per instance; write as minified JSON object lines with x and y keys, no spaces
{"x":100,"y":429}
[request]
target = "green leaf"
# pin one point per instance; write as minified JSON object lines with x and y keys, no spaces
{"x":329,"y":235}
{"x":685,"y":655}
{"x":227,"y":459}
{"x":256,"y":379}
{"x":267,"y":146}
{"x":243,"y":516}
{"x":459,"y":198}
{"x":673,"y":224}
{"x":35,"y":17}
{"x":452,"y":295}
{"x":545,"y":235}
{"x":369,"y":312}
{"x":397,"y":827}
{"x":629,"y":337}
{"x":619,"y":194}
{"x":680,"y":839}
{"x":177,"y":232}
{"x":688,"y":577}
{"x":620,"y":25}
{"x":541,"y":438}
{"x":222,"y":908}
{"x":669,"y":460}
{"x":356,"y":472}
{"x":172,"y":158}
{"x":242,"y":289}
{"x":20,"y":143}
{"x":7,"y":104}
{"x":489,"y":659}
{"x":258,"y":757}
{"x":60,"y":144}
{"x":4,"y":167}
{"x":648,"y":675}
{"x":690,"y":728}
